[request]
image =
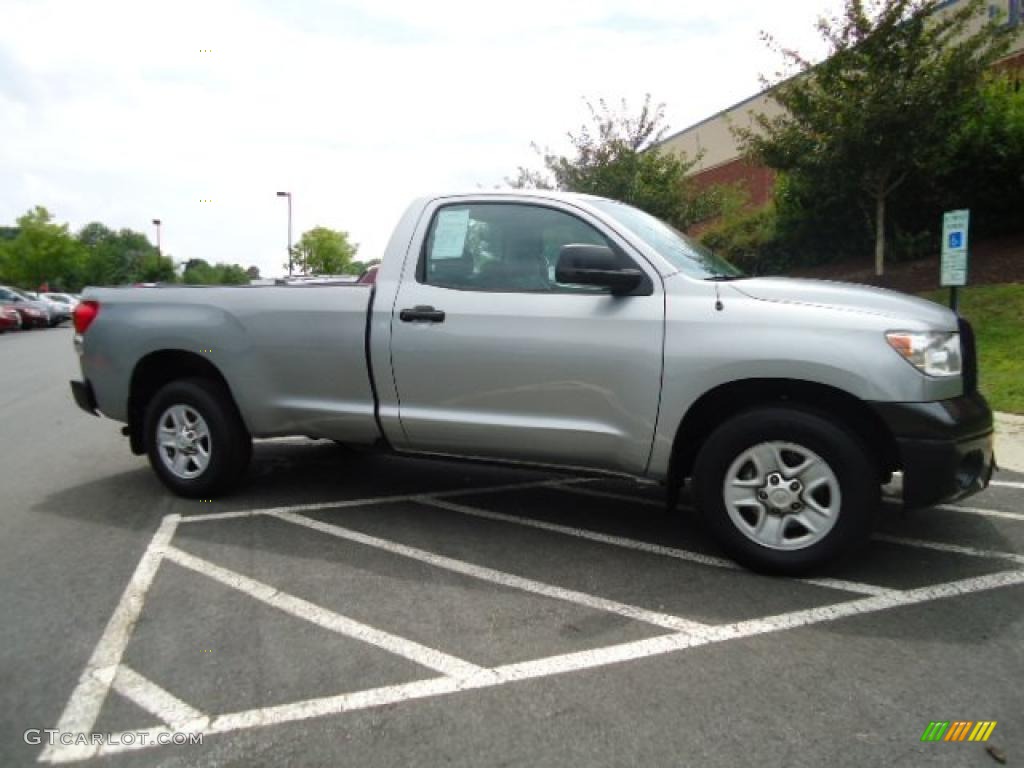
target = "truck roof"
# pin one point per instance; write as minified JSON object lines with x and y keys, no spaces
{"x":547,"y":194}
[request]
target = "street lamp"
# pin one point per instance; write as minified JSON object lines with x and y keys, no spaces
{"x":289,"y":196}
{"x":156,"y":223}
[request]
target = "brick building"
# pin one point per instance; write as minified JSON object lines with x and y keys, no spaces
{"x":713,"y":142}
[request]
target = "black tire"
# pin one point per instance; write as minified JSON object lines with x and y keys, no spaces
{"x":843,"y":452}
{"x":230,"y":445}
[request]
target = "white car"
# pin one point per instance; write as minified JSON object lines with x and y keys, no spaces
{"x":59,"y":311}
{"x":62,"y":298}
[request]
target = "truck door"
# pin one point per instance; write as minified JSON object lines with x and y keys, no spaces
{"x":494,"y":358}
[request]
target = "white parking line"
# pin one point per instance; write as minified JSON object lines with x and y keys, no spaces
{"x":1006,"y":484}
{"x":661,"y":505}
{"x":571,"y":662}
{"x":956,"y":549}
{"x":983,"y":512}
{"x":105,"y":671}
{"x":83,"y":707}
{"x":856,"y":586}
{"x":640,"y":546}
{"x":170,"y":710}
{"x":498,"y":577}
{"x":322,"y":617}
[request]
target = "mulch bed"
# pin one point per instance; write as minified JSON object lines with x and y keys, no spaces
{"x":1000,"y":260}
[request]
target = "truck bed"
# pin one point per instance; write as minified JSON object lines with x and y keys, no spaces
{"x":297,"y":353}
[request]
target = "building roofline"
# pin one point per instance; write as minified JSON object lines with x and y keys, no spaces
{"x":942,"y":5}
{"x":720,"y":113}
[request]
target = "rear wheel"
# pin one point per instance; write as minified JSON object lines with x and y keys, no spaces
{"x":195,"y":438}
{"x":786,"y":490}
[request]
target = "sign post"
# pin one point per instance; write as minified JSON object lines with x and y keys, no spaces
{"x":954,"y":253}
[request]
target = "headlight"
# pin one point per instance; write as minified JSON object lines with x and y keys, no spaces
{"x":935,"y":353}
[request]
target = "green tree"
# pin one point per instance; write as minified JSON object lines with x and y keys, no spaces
{"x":120,"y":258}
{"x":156,"y":268}
{"x":42,"y":251}
{"x":898,"y":80}
{"x":201,"y":272}
{"x":6,"y":235}
{"x":323,"y":251}
{"x":984,"y":169}
{"x":617,"y":156}
{"x":198,"y":272}
{"x":358,"y":267}
{"x":231,"y":274}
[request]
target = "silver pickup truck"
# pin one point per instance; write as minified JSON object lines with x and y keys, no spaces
{"x":564,"y":331}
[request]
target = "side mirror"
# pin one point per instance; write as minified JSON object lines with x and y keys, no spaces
{"x":581,"y":264}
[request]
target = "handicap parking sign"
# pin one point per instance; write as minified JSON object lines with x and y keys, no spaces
{"x":954,"y":247}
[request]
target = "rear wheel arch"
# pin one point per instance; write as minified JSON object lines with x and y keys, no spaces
{"x":157,"y":369}
{"x":718,"y":405}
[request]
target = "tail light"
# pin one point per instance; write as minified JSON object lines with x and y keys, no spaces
{"x":84,"y":314}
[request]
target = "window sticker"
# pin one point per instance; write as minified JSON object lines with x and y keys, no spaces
{"x":450,"y":234}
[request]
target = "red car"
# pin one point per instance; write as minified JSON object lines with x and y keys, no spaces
{"x":10,"y":320}
{"x":28,"y":315}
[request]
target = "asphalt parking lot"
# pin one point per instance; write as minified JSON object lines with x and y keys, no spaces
{"x":361,"y":609}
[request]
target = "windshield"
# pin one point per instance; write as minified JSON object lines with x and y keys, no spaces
{"x":685,"y":253}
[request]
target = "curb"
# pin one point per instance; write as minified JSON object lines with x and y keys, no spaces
{"x":1010,"y":441}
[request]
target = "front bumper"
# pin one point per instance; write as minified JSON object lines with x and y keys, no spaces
{"x":84,"y":397}
{"x":945,"y":447}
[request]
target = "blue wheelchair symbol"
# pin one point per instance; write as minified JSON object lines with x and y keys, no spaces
{"x":956,"y":239}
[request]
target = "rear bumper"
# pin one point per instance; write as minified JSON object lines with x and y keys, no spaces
{"x":84,"y":397}
{"x":945,"y":447}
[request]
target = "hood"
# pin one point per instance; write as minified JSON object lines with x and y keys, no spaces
{"x":848,"y":297}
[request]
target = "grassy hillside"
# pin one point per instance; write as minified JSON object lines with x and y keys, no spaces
{"x":997,"y":314}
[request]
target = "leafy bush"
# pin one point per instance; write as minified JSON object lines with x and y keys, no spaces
{"x":749,"y":239}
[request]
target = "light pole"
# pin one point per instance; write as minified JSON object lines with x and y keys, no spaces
{"x":156,"y":223}
{"x":289,"y":196}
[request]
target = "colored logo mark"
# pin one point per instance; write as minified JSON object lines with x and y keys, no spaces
{"x":958,"y":730}
{"x":956,"y":239}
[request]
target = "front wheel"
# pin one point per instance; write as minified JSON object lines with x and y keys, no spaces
{"x":786,"y":490}
{"x":195,"y":438}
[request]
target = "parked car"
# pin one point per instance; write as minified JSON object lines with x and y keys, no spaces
{"x":369,"y":276}
{"x":571,"y":330}
{"x":58,"y":312}
{"x":62,"y":298}
{"x":33,"y":313}
{"x":10,"y":320}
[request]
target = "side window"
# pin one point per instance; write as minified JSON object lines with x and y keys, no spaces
{"x":503,"y":247}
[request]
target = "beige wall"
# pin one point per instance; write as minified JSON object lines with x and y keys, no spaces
{"x":712,"y":140}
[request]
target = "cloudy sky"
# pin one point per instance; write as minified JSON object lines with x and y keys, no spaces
{"x":114,"y":111}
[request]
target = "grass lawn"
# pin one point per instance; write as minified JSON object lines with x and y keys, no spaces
{"x":997,"y":314}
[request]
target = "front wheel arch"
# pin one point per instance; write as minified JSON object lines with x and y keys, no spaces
{"x":719,"y":404}
{"x":843,"y":454}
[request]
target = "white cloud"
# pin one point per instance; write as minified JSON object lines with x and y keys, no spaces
{"x":110,"y":111}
